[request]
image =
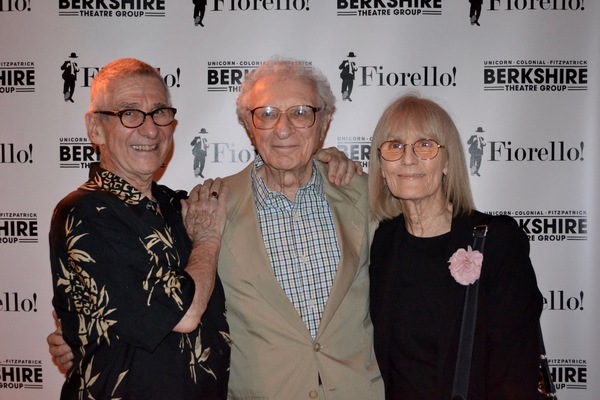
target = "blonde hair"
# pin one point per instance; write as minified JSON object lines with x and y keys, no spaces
{"x":411,"y":113}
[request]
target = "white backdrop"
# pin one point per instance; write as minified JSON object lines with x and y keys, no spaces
{"x":525,"y":81}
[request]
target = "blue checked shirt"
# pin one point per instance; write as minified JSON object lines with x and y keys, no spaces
{"x":301,"y":243}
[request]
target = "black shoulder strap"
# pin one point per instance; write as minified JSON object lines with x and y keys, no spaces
{"x":467,"y":332}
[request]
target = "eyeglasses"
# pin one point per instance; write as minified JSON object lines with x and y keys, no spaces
{"x":425,"y":149}
{"x":302,"y":116}
{"x":131,"y":118}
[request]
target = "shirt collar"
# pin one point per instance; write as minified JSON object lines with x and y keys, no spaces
{"x":114,"y":184}
{"x":264,"y":195}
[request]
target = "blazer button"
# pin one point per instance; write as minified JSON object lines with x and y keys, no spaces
{"x":313,"y":394}
{"x":317,"y":347}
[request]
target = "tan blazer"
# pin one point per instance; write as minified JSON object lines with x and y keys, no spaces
{"x":273,"y":355}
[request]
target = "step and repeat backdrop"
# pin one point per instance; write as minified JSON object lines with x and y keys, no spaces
{"x":519,"y":77}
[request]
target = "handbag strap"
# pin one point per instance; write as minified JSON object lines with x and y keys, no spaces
{"x":548,"y":389}
{"x":467,"y":332}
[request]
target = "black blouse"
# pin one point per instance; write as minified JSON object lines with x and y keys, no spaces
{"x":416,"y":307}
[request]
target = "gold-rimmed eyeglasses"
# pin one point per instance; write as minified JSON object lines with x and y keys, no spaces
{"x":424,"y":149}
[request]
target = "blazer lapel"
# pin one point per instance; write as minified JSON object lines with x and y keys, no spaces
{"x":350,"y":225}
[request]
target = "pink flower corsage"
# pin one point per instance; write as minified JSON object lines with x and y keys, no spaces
{"x":465,"y":265}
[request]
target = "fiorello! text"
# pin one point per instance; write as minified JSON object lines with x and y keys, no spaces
{"x":554,"y":151}
{"x":260,"y":5}
{"x":532,"y":5}
{"x":427,"y":75}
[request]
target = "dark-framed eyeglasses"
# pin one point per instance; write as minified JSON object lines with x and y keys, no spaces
{"x":425,"y":149}
{"x":132,"y":118}
{"x":301,"y":116}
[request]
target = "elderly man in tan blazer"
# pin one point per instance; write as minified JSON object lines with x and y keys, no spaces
{"x":295,"y":252}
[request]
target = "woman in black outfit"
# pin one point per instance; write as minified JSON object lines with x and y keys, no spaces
{"x":420,"y":192}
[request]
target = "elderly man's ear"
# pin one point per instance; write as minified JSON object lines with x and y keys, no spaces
{"x":94,"y":128}
{"x":248,"y":128}
{"x":325,"y":128}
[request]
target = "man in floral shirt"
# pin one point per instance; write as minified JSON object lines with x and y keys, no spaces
{"x":136,"y":293}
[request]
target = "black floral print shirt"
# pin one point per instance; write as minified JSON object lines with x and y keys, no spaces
{"x":119,"y":289}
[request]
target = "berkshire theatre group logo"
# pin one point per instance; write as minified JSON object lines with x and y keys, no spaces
{"x":362,"y":8}
{"x":569,"y":373}
{"x":19,"y":374}
{"x":553,"y":225}
{"x":17,"y":77}
{"x":77,"y":153}
{"x":18,"y":227}
{"x":112,"y":8}
{"x":550,"y":225}
{"x":356,"y":148}
{"x":525,"y":75}
{"x":227,"y":76}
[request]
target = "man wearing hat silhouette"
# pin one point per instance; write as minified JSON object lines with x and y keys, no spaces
{"x":348,"y":68}
{"x":476,"y":145}
{"x":199,"y":9}
{"x":475,"y":11}
{"x":199,"y":146}
{"x":69,"y":75}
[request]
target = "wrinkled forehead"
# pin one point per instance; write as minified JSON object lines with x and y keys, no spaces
{"x":136,"y":86}
{"x":284,"y":90}
{"x":142,"y":81}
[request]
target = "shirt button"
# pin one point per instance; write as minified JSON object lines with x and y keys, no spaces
{"x":317,"y":347}
{"x":313,"y":394}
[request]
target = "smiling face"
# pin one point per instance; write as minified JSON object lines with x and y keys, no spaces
{"x":285,"y":148}
{"x":134,"y":154}
{"x":411,"y":179}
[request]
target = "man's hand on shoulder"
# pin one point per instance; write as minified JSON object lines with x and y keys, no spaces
{"x":341,"y":169}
